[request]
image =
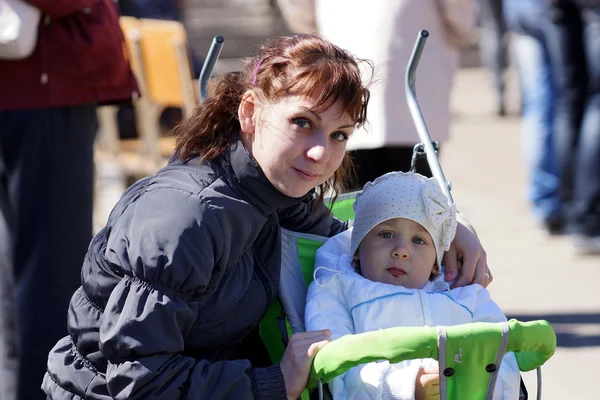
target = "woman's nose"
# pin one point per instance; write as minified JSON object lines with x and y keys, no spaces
{"x":317,"y":153}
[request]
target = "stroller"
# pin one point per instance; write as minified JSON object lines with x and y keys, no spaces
{"x":472,"y":377}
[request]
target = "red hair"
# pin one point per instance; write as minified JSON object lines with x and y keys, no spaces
{"x":302,"y":64}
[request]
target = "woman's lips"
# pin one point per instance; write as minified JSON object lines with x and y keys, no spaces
{"x":307,"y":176}
{"x":396,"y":272}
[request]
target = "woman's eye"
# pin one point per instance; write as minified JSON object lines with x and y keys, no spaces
{"x":387,"y":235}
{"x":302,"y":123}
{"x":418,"y":240}
{"x":340,"y":136}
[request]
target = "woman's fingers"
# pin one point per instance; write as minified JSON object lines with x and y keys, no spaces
{"x":451,"y":263}
{"x":482,"y":274}
{"x":310,"y":334}
{"x":468,"y":268}
{"x":297,"y":359}
{"x":315,"y":347}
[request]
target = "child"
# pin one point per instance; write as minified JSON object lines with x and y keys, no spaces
{"x":386,"y":271}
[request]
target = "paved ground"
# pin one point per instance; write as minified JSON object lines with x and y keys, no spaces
{"x":536,"y":276}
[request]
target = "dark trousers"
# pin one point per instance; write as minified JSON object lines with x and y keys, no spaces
{"x":492,"y":45}
{"x":372,"y":163}
{"x":576,"y":52}
{"x":565,"y":47}
{"x":586,"y":192}
{"x":46,"y":192}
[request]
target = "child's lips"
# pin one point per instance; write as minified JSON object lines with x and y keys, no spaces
{"x":396,"y":272}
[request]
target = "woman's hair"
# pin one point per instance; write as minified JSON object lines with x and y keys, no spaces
{"x":302,"y":64}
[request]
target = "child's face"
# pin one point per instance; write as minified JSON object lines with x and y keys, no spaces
{"x":398,"y":252}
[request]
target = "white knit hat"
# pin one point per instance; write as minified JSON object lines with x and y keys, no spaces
{"x":405,"y":195}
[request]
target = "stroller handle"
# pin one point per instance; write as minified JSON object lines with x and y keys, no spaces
{"x":417,"y":116}
{"x":533,"y":343}
{"x":209,"y":65}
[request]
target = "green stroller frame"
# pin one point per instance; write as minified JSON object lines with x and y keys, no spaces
{"x":482,"y":344}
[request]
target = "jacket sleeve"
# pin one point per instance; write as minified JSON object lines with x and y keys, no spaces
{"x":509,"y":378}
{"x":60,"y":8}
{"x":173,"y":259}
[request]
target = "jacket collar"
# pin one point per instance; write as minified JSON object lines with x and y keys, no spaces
{"x":246,"y":176}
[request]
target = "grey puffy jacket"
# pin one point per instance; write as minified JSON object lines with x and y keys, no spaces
{"x":185,"y":268}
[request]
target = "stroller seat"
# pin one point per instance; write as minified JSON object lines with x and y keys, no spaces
{"x":533,"y":342}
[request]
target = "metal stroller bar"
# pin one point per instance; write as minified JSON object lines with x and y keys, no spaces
{"x":417,"y":116}
{"x":209,"y":66}
{"x":430,"y":151}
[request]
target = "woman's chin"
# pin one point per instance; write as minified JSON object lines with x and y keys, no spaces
{"x":294,"y":191}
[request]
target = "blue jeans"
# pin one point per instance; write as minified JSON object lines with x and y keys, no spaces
{"x":585,"y":210}
{"x":529,"y":20}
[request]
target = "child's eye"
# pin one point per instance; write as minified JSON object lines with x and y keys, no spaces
{"x":387,"y":235}
{"x":418,"y":240}
{"x":302,"y":123}
{"x":340,"y":136}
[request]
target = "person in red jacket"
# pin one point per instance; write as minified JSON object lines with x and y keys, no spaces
{"x":47,"y":128}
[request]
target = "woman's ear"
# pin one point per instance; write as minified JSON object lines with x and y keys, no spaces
{"x":246,"y":112}
{"x":436,"y":269}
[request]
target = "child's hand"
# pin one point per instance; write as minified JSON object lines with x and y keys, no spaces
{"x":427,"y":385}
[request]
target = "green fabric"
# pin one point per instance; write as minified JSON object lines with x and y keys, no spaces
{"x":469,"y":349}
{"x":475,"y":344}
{"x":307,"y":250}
{"x":342,"y":208}
{"x":393,"y":344}
{"x":533,"y":342}
{"x":270,"y":334}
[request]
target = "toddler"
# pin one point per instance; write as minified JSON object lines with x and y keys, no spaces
{"x":386,"y":271}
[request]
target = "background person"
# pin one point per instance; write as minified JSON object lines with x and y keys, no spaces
{"x":534,"y":36}
{"x":47,"y":128}
{"x":385,"y":32}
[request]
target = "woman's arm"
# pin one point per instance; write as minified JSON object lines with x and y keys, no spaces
{"x":173,"y":258}
{"x":466,"y":250}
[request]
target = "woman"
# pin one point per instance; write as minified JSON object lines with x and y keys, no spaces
{"x":174,"y":287}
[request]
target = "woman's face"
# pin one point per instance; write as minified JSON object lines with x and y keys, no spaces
{"x":297,"y":148}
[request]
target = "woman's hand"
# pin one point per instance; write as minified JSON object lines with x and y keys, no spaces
{"x":297,"y":359}
{"x":466,"y":249}
{"x":427,"y":384}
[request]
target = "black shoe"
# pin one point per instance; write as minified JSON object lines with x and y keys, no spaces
{"x":554,"y":225}
{"x":501,"y":110}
